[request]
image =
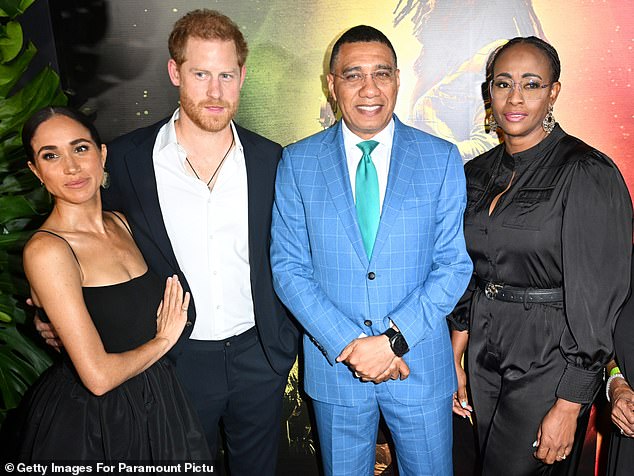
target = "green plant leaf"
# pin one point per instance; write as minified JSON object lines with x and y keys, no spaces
{"x":22,"y":205}
{"x":11,"y":72}
{"x":21,"y":361}
{"x":22,"y":181}
{"x":13,"y":8}
{"x":10,"y":41}
{"x":12,"y":207}
{"x":42,"y":91}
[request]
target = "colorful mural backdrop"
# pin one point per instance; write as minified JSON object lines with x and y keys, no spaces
{"x":115,"y":54}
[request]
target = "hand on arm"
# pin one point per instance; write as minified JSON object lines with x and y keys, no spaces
{"x":556,"y":432}
{"x":45,"y":329}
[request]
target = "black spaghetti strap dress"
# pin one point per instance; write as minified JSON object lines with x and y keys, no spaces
{"x":148,"y":418}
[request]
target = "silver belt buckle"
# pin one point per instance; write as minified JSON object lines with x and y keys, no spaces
{"x":491,"y":290}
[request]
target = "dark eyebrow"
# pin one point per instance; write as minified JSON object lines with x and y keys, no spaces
{"x":80,"y":140}
{"x":525,"y":75}
{"x":46,"y":147}
{"x":377,"y":67}
{"x":352,"y":68}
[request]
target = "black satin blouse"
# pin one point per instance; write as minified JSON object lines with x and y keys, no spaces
{"x":565,"y":221}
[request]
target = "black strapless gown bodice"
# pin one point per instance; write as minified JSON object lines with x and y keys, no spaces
{"x":148,"y":418}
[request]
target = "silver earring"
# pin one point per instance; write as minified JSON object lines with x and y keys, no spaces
{"x":549,"y":121}
{"x":105,"y":181}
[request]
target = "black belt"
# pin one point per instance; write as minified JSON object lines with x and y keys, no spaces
{"x":503,"y":292}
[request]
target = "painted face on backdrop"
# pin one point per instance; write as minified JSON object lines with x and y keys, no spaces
{"x":67,"y":160}
{"x":209,"y":82}
{"x":518,"y":114}
{"x":366,"y":104}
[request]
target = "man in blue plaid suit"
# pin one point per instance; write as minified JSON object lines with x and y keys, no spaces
{"x":368,"y":254}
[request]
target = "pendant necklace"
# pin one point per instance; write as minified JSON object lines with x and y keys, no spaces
{"x":233,"y":140}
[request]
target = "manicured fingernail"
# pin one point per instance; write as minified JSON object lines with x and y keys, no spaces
{"x":535,"y":444}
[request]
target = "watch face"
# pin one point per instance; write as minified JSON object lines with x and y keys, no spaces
{"x":399,"y":345}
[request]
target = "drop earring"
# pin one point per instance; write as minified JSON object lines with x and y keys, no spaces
{"x":105,"y":181}
{"x":549,"y":121}
{"x":493,"y":126}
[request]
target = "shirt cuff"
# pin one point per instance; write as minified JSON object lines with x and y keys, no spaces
{"x":579,"y":385}
{"x":456,"y":324}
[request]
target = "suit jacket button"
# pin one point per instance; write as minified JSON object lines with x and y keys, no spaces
{"x":368,"y":322}
{"x":189,"y":324}
{"x":371,"y":275}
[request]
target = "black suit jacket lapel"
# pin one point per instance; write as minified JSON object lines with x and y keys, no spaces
{"x":142,"y":175}
{"x":256,"y":170}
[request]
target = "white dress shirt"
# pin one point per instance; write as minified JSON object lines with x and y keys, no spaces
{"x":209,"y":233}
{"x":380,"y":156}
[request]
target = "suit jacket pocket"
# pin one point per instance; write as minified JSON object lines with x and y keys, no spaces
{"x":527,"y":208}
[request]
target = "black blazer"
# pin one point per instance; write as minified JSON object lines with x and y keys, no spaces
{"x":133,"y":191}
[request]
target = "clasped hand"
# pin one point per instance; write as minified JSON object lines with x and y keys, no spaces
{"x":372,"y":360}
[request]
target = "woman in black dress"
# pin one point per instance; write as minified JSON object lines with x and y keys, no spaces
{"x":548,"y":226}
{"x":113,"y":396}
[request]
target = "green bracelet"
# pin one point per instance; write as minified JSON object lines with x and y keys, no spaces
{"x":614,"y":371}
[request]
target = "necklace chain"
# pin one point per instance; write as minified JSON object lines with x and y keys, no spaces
{"x":233,"y":141}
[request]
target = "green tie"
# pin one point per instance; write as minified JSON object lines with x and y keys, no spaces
{"x":367,"y":196}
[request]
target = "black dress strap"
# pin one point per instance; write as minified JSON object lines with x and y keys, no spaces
{"x":40,"y":310}
{"x":65,"y":241}
{"x":122,"y":221}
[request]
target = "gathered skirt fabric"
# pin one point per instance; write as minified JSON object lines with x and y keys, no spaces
{"x":146,"y":419}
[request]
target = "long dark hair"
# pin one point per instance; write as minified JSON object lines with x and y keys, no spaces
{"x":44,"y":114}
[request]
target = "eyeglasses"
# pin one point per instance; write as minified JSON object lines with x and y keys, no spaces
{"x":356,"y":78}
{"x":530,"y":89}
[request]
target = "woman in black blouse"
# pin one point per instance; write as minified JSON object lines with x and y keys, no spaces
{"x":549,"y":227}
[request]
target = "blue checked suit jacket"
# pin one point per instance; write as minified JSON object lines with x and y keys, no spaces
{"x":420,"y":264}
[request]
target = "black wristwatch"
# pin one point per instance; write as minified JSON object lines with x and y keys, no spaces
{"x":397,"y":342}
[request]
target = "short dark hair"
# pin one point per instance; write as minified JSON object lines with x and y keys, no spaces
{"x":206,"y":25}
{"x":543,"y":46}
{"x":360,"y":34}
{"x":39,"y":117}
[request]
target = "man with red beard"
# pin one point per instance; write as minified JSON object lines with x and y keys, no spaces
{"x":197,"y":190}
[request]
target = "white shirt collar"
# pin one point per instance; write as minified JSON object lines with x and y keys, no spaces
{"x":384,"y":137}
{"x":167,"y":137}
